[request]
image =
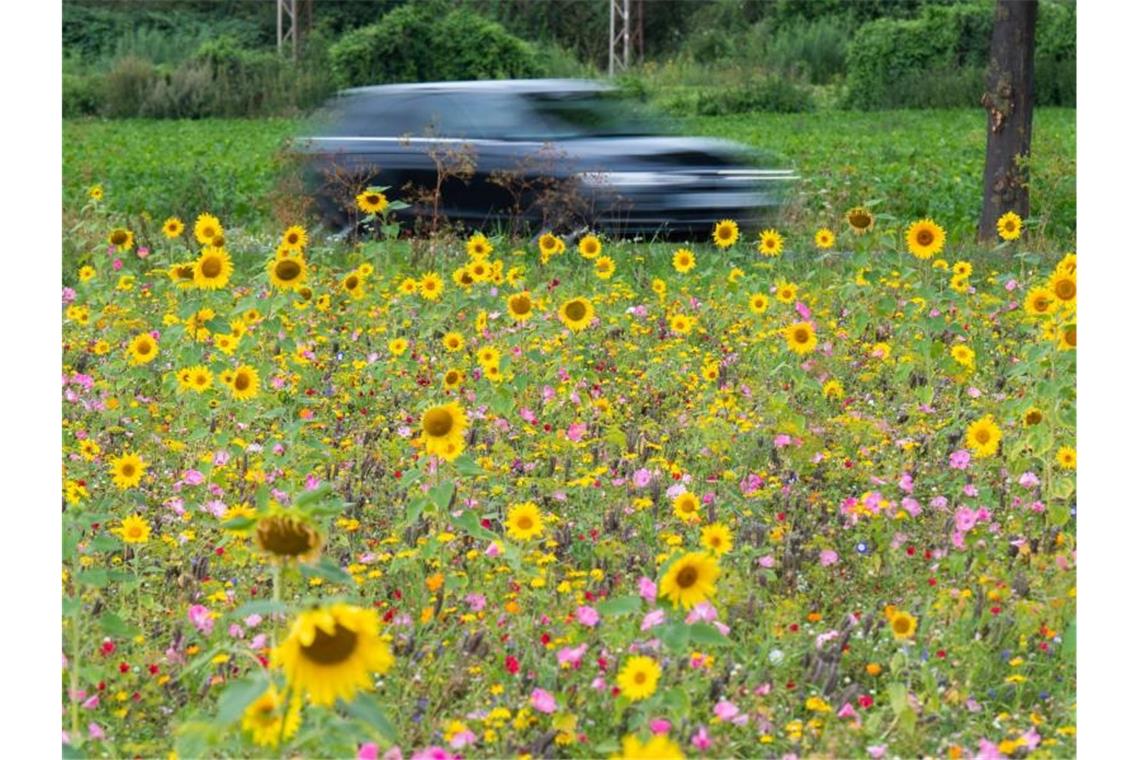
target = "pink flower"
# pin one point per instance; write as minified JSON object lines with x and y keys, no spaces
{"x":876,"y":751}
{"x":782,"y":440}
{"x":587,"y":616}
{"x":369,"y":751}
{"x":970,"y":489}
{"x":654,"y":618}
{"x":543,"y":701}
{"x":95,"y":731}
{"x":828,"y":557}
{"x":493,"y":550}
{"x":803,"y":310}
{"x":393,"y":754}
{"x":252,"y":621}
{"x":528,"y":415}
{"x":576,"y":431}
{"x":572,"y":657}
{"x":906,"y":482}
{"x":193,"y":477}
{"x":117,"y":264}
{"x":767,"y":561}
{"x":1011,"y":285}
{"x":200,"y":617}
{"x":701,"y":739}
{"x":1028,"y":480}
{"x":434,"y":753}
{"x":641,"y":478}
{"x":475,"y":601}
{"x":660,"y":726}
{"x":960,"y":459}
{"x":143,"y":252}
{"x":702,"y":612}
{"x":68,"y":295}
{"x":847,"y":711}
{"x":912,"y":507}
{"x":725,"y":710}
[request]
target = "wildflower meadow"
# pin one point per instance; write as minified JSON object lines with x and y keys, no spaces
{"x":804,"y":490}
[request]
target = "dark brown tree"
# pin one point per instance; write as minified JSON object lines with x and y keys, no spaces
{"x":1008,"y":101}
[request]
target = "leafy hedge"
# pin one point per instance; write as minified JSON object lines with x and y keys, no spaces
{"x":430,"y":42}
{"x":941,"y":56}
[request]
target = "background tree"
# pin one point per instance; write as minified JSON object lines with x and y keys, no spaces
{"x":1008,"y":101}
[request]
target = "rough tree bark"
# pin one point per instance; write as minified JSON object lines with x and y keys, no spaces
{"x":1008,"y":101}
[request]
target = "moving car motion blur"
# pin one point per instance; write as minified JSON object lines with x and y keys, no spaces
{"x":555,"y":154}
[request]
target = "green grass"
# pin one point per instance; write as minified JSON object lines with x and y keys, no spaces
{"x":905,"y":164}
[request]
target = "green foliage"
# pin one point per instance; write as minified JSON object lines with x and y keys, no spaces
{"x":426,"y":42}
{"x":815,"y":50}
{"x":775,"y":94}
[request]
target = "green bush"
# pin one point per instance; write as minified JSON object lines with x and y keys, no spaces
{"x":774,"y":93}
{"x":430,"y":41}
{"x":127,"y":86}
{"x":81,"y":95}
{"x":893,"y":63}
{"x":816,"y":50}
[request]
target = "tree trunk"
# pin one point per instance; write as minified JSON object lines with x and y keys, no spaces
{"x":1008,"y":101}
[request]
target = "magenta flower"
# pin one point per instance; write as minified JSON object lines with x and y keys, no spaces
{"x":701,"y":739}
{"x":543,"y":701}
{"x":960,"y":459}
{"x":200,"y":617}
{"x":828,"y":557}
{"x":654,"y":618}
{"x":587,"y":616}
{"x":725,"y":710}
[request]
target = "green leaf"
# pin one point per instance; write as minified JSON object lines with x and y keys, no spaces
{"x":218,"y":325}
{"x":239,"y":523}
{"x":469,"y":522}
{"x":314,"y":496}
{"x":675,"y":636}
{"x":1069,"y":641}
{"x":416,"y":508}
{"x":199,"y":662}
{"x":329,"y":571}
{"x":262,"y":607}
{"x":113,"y":625}
{"x":707,"y":634}
{"x":621,"y":605}
{"x":678,"y":701}
{"x":365,"y":708}
{"x":192,"y":738}
{"x":238,"y":696}
{"x":441,"y":494}
{"x":897,"y":694}
{"x":465,"y":464}
{"x":97,"y":578}
{"x":908,"y":721}
{"x":105,"y":542}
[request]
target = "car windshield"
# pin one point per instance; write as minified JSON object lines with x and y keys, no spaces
{"x":600,"y":114}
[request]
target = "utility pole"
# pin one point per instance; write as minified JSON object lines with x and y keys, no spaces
{"x":287,"y":26}
{"x":619,"y":14}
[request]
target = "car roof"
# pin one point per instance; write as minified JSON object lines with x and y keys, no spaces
{"x":484,"y":86}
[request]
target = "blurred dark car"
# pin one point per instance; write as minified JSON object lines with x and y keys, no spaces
{"x":552,"y":154}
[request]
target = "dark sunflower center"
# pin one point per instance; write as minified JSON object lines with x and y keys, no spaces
{"x":924,"y":237}
{"x":525,"y":523}
{"x":1071,"y":336}
{"x":1033,"y":417}
{"x":640,"y":677}
{"x":372,"y":199}
{"x":801,"y":335}
{"x":687,"y":577}
{"x":128,"y":470}
{"x":520,"y":304}
{"x":901,"y":624}
{"x":212,"y":266}
{"x":724,"y":233}
{"x":293,"y":238}
{"x":331,"y":649}
{"x":185,"y":273}
{"x":1041,"y":304}
{"x":983,"y":436}
{"x":209,"y":232}
{"x":118,"y":237}
{"x":351,"y":282}
{"x":288,"y":269}
{"x":575,"y":310}
{"x":144,"y":348}
{"x":452,"y":378}
{"x":1066,"y":289}
{"x":438,"y":422}
{"x":241,"y":382}
{"x":285,"y":537}
{"x":860,"y":220}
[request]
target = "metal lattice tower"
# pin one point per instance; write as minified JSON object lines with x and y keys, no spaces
{"x":294,"y":19}
{"x":627,"y":24}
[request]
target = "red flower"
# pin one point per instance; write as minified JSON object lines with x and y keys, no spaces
{"x":865,"y":701}
{"x":512,"y":664}
{"x":108,"y":647}
{"x":124,"y":667}
{"x":941,"y":654}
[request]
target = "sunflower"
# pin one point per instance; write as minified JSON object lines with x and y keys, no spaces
{"x":1032,"y":416}
{"x":213,"y":268}
{"x":524,"y":521}
{"x":226,"y":343}
{"x":786,"y":292}
{"x":687,"y":507}
{"x":478,"y":246}
{"x":983,"y":437}
{"x":88,"y":449}
{"x":960,"y":283}
{"x":121,"y":238}
{"x":173,"y":227}
{"x":431,"y":286}
{"x":463,"y":277}
{"x":860,"y":220}
{"x":725,"y":233}
{"x":408,"y":286}
{"x":200,"y":378}
{"x":452,"y":379}
{"x":182,"y":275}
{"x":963,"y":354}
{"x":287,"y":538}
{"x":95,"y":192}
{"x":659,"y":747}
{"x":963,"y":268}
{"x":638,"y":678}
{"x":295,"y":238}
{"x":1064,"y":287}
{"x":397,"y":346}
{"x":442,"y":430}
{"x":801,"y":337}
{"x":589,"y":247}
{"x":245,"y":383}
{"x":550,"y":245}
{"x":604,"y":267}
{"x":134,"y":530}
{"x":1067,"y":338}
{"x":1067,"y":458}
{"x":717,"y":538}
{"x":520,"y":306}
{"x":1040,"y":301}
{"x":924,"y":239}
{"x":353,"y":284}
{"x":659,"y":287}
{"x":576,"y":314}
{"x":771,"y":243}
{"x":691,"y":579}
{"x":758,"y":303}
{"x":453,"y":341}
{"x":833,"y":389}
{"x":684,"y":260}
{"x":143,"y":349}
{"x":372,"y":202}
{"x":681,"y":324}
{"x":268,"y":721}
{"x":288,"y":273}
{"x":1009,"y":226}
{"x":332,"y":652}
{"x":127,"y":470}
{"x":824,"y":238}
{"x":488,"y":356}
{"x":903,"y":625}
{"x":207,"y":228}
{"x":1067,"y":264}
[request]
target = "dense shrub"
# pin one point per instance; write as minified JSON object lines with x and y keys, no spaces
{"x":946,"y":47}
{"x":430,"y":42}
{"x":773,"y":93}
{"x":815,"y":50}
{"x":81,"y":95}
{"x":127,"y":86}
